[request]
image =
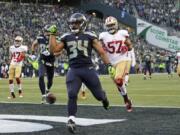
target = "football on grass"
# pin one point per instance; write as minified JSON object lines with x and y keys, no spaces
{"x":51,"y":99}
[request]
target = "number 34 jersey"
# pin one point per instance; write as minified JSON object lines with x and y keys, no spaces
{"x":16,"y":53}
{"x":79,"y":48}
{"x":113,"y":44}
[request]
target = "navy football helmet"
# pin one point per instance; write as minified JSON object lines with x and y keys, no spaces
{"x":77,"y":23}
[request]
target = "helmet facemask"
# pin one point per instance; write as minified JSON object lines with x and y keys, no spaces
{"x":18,"y":41}
{"x":111,"y":25}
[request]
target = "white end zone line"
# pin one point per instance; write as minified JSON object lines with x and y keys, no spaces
{"x":138,"y":106}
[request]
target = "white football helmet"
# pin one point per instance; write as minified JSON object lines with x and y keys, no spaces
{"x":18,"y":41}
{"x":111,"y":24}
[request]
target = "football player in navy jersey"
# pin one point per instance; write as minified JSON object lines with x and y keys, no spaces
{"x":46,"y":62}
{"x":79,"y":44}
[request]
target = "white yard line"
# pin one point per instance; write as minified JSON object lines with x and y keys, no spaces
{"x":155,"y":95}
{"x":141,"y":106}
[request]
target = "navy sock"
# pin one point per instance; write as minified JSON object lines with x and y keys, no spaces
{"x":72,"y":106}
{"x":42,"y":85}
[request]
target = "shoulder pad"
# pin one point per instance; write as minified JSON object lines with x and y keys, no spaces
{"x":90,"y":33}
{"x":40,"y":37}
{"x":12,"y":46}
{"x":124,"y":33}
{"x":25,"y":48}
{"x":65,"y":34}
{"x":178,"y":53}
{"x":102,"y":34}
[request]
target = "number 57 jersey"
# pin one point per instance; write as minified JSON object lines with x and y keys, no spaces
{"x":114,"y":45}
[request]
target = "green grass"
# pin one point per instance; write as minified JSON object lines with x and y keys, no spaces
{"x":158,"y":91}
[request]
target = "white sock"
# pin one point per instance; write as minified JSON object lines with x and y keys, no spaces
{"x":72,"y":118}
{"x":47,"y":89}
{"x":126,"y":79}
{"x":11,"y":87}
{"x":83,"y":87}
{"x":19,"y":86}
{"x":123,"y":90}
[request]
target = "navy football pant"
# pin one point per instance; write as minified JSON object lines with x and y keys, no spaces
{"x":168,"y":68}
{"x":147,"y":69}
{"x":49,"y":70}
{"x":74,"y":79}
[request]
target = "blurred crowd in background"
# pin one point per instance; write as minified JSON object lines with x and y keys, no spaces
{"x":27,"y":20}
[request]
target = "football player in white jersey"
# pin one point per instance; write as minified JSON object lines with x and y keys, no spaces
{"x":17,"y":55}
{"x":178,"y":62}
{"x":116,"y":43}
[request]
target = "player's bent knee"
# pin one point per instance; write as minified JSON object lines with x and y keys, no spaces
{"x":119,"y":81}
{"x":11,"y":81}
{"x":41,"y":78}
{"x":18,"y":80}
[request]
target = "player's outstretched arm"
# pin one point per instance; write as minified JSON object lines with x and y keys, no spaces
{"x":34,"y":46}
{"x":54,"y":47}
{"x":128,"y":43}
{"x":98,"y":46}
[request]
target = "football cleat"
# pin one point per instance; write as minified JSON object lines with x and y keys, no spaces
{"x":47,"y":91}
{"x":83,"y":95}
{"x":20,"y":94}
{"x":12,"y":96}
{"x":129,"y":106}
{"x":43,"y":101}
{"x":105,"y":104}
{"x":71,"y":126}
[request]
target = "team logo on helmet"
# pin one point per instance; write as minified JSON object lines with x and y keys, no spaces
{"x":111,"y":24}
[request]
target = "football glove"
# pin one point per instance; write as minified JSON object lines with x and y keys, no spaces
{"x":124,"y":49}
{"x":33,"y":57}
{"x":20,"y":58}
{"x":52,"y":29}
{"x":111,"y":70}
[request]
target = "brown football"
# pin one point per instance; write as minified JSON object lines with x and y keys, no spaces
{"x":51,"y":99}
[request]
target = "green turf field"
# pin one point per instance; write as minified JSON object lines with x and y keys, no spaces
{"x":158,"y":91}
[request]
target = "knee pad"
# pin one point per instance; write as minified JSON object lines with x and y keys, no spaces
{"x":41,"y":78}
{"x":10,"y":81}
{"x":18,"y":80}
{"x":119,"y":81}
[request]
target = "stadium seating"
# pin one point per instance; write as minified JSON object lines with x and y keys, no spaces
{"x":27,"y":20}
